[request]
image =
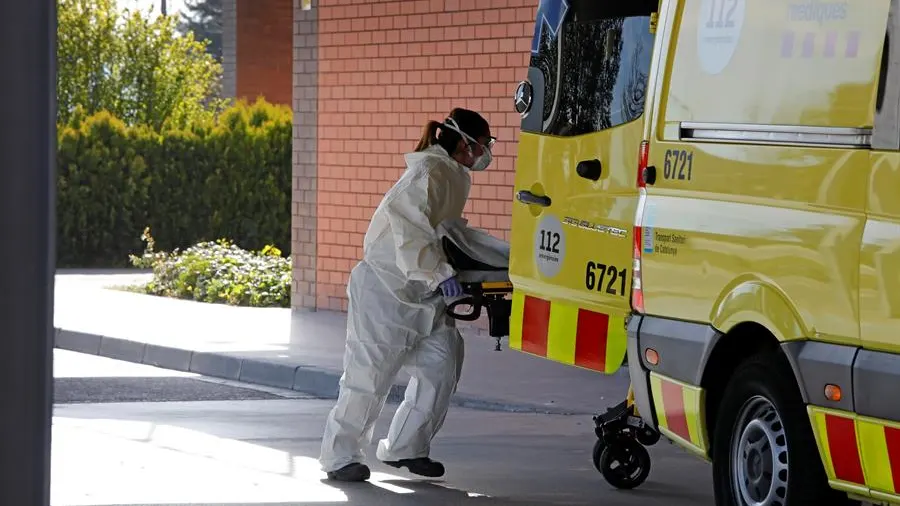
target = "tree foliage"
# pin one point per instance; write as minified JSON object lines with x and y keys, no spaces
{"x":143,"y":71}
{"x":204,"y":19}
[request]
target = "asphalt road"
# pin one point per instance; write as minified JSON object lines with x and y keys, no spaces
{"x":186,"y":440}
{"x":81,"y":378}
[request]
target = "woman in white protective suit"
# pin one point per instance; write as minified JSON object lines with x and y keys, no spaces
{"x":396,"y":315}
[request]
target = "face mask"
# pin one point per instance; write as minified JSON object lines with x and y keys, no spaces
{"x":481,"y":162}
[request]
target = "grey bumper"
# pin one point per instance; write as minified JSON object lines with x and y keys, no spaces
{"x":640,"y":377}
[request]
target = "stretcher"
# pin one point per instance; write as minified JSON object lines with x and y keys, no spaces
{"x":620,"y":452}
{"x":486,"y":287}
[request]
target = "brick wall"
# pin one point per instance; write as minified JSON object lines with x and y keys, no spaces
{"x":264,"y":46}
{"x":229,"y":47}
{"x":305,"y":184}
{"x":387,"y":67}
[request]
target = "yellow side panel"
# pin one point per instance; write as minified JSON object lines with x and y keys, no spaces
{"x":776,"y":62}
{"x":762,"y":233}
{"x":879,"y":291}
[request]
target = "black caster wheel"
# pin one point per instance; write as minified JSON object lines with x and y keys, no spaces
{"x":625,"y":464}
{"x":599,"y":446}
{"x":647,"y":436}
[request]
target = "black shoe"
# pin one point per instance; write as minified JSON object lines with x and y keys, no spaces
{"x":421,"y":466}
{"x":350,"y":472}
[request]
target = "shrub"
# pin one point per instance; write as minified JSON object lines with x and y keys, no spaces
{"x":218,"y":272}
{"x":228,"y":178}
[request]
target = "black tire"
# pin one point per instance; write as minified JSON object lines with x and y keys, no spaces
{"x":796,"y":472}
{"x":625,"y":464}
{"x":648,"y":436}
{"x":599,"y":446}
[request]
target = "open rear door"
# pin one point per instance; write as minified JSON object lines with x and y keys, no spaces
{"x":576,"y":180}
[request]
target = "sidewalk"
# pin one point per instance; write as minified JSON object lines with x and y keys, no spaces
{"x":302,"y":351}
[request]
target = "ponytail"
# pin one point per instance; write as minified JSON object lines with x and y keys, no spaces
{"x":429,"y":136}
{"x":468,"y":121}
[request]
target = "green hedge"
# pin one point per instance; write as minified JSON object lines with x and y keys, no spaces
{"x":228,"y":179}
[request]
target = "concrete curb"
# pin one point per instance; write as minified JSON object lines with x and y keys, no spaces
{"x":307,"y":379}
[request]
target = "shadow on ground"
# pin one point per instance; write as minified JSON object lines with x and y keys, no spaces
{"x":263,"y":453}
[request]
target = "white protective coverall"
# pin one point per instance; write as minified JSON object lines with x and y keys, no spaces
{"x":396,"y":317}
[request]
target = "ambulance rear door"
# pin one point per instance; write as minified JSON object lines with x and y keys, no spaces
{"x":576,"y":191}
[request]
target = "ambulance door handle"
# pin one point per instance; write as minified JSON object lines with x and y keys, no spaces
{"x":526,"y":197}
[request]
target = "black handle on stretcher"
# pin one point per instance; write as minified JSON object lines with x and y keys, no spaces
{"x":474,"y":297}
{"x":474,"y":300}
{"x":491,"y":296}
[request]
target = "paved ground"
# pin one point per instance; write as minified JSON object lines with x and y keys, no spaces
{"x":81,"y":378}
{"x":262,"y":452}
{"x":302,"y":351}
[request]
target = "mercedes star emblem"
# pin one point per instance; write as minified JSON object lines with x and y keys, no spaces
{"x":524,"y":96}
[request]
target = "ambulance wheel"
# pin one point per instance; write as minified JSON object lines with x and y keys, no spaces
{"x":764,"y":452}
{"x":599,"y":446}
{"x":625,"y":464}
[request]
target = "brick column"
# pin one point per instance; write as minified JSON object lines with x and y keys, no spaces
{"x":305,"y":153}
{"x":229,"y":48}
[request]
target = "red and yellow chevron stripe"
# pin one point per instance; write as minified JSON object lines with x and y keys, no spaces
{"x":879,"y":444}
{"x":566,"y":333}
{"x":860,"y":454}
{"x":680,"y":412}
{"x":838,"y":446}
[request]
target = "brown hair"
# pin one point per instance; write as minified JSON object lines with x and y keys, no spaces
{"x":469,"y":122}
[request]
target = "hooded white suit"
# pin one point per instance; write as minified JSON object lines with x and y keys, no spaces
{"x":396,"y":318}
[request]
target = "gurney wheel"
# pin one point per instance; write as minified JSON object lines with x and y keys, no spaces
{"x":625,"y":464}
{"x":599,"y":446}
{"x":647,"y":436}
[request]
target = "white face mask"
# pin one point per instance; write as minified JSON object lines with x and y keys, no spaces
{"x":481,"y":162}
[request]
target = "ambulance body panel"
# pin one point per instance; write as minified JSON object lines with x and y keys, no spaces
{"x":766,"y":223}
{"x":576,"y":197}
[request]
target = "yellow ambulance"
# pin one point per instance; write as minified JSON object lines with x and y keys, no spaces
{"x":712,"y":187}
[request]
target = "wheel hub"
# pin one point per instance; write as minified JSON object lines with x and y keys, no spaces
{"x":759,"y":455}
{"x":755,"y":465}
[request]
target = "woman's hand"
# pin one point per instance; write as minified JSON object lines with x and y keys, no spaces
{"x":451,"y":288}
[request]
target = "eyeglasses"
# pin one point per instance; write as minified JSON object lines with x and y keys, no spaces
{"x":489,"y":144}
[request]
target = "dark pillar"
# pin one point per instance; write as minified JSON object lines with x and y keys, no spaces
{"x":27,"y":247}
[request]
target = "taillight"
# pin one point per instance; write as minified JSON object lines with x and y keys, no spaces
{"x":637,"y":291}
{"x":643,"y":161}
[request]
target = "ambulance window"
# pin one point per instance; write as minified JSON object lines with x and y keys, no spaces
{"x":603,"y":65}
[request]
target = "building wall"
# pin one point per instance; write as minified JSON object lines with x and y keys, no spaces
{"x":264,"y":47}
{"x":229,"y":48}
{"x":384,"y":69}
{"x":305,"y":160}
